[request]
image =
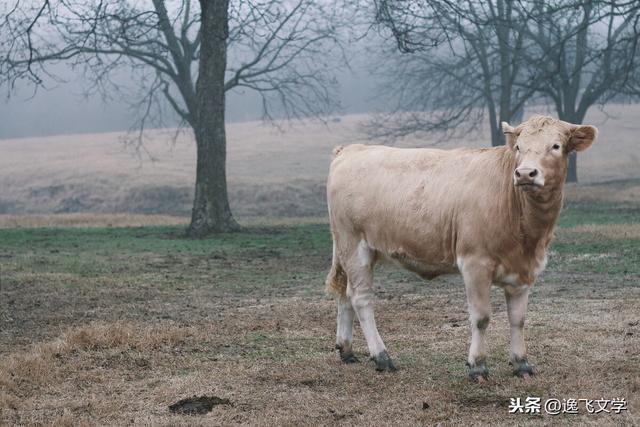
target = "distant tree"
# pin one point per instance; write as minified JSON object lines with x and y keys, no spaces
{"x":464,"y":61}
{"x":472,"y":59}
{"x":189,"y":54}
{"x":584,"y":56}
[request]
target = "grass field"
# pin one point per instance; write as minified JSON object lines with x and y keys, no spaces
{"x":110,"y":325}
{"x":108,"y":315}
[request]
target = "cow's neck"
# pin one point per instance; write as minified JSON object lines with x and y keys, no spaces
{"x":539,"y":211}
{"x":535,"y":212}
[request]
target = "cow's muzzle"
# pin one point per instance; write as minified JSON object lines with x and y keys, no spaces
{"x":528,"y":178}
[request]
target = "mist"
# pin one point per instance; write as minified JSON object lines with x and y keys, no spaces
{"x":63,"y":107}
{"x":159,"y":276}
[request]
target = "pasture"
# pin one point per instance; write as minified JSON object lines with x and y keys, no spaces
{"x":110,"y":325}
{"x":108,"y":315}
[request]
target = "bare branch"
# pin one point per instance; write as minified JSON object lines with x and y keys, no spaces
{"x":271,"y":46}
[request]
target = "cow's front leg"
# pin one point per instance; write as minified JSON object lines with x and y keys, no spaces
{"x":517,"y":299}
{"x":477,"y":280}
{"x":344,"y":334}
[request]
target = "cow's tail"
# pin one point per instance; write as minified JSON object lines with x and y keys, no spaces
{"x":337,"y":279}
{"x":336,"y":283}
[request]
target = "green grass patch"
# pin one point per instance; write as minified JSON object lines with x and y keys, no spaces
{"x":256,"y":259}
{"x":585,"y":252}
{"x":261,"y":259}
{"x":575,"y":214}
{"x":594,"y":253}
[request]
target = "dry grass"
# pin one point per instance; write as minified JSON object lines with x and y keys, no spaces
{"x":132,"y":220}
{"x":149,"y":319}
{"x":36,"y":365}
{"x":89,"y":220}
{"x":608,"y":231}
{"x":274,"y":361}
{"x":57,"y":381}
{"x":271,"y":173}
{"x":624,"y":192}
{"x":124,"y":334}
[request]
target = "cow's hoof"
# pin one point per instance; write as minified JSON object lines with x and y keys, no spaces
{"x":478,"y":372}
{"x":522,"y":368}
{"x":384,"y":362}
{"x":346,"y":354}
{"x":348,"y":358}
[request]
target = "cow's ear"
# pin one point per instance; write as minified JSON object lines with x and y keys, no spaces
{"x":510,"y":134}
{"x":582,"y":136}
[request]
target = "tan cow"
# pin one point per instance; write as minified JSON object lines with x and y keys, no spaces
{"x":488,"y":213}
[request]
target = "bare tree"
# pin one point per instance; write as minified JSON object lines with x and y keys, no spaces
{"x":189,"y":55}
{"x":463,"y":61}
{"x":585,"y":55}
{"x":470,"y":58}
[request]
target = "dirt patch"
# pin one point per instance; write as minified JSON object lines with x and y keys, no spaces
{"x":197,"y":405}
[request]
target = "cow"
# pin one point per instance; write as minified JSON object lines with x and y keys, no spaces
{"x":486,"y":213}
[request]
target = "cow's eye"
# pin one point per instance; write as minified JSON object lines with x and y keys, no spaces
{"x":556,"y":146}
{"x":517,"y":148}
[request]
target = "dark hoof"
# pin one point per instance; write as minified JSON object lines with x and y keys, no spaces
{"x":478,"y":373}
{"x":384,"y":362}
{"x":346,"y":354}
{"x":522,"y":368}
{"x":348,"y":358}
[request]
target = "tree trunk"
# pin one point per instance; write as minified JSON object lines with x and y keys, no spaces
{"x":572,"y":171}
{"x":497,"y":137}
{"x":517,"y":117}
{"x":211,"y":212}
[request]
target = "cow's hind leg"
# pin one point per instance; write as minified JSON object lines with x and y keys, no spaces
{"x":360,"y":293}
{"x":344,"y":334}
{"x":337,"y":285}
{"x":477,"y":280}
{"x":517,"y":299}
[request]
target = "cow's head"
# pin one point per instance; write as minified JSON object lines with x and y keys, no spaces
{"x":542,"y":145}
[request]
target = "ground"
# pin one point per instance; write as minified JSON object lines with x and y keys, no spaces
{"x":112,"y":324}
{"x":108,"y":315}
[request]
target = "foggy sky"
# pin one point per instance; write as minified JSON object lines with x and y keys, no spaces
{"x":61,"y":108}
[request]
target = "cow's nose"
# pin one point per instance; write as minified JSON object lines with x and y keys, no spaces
{"x":525,"y":175}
